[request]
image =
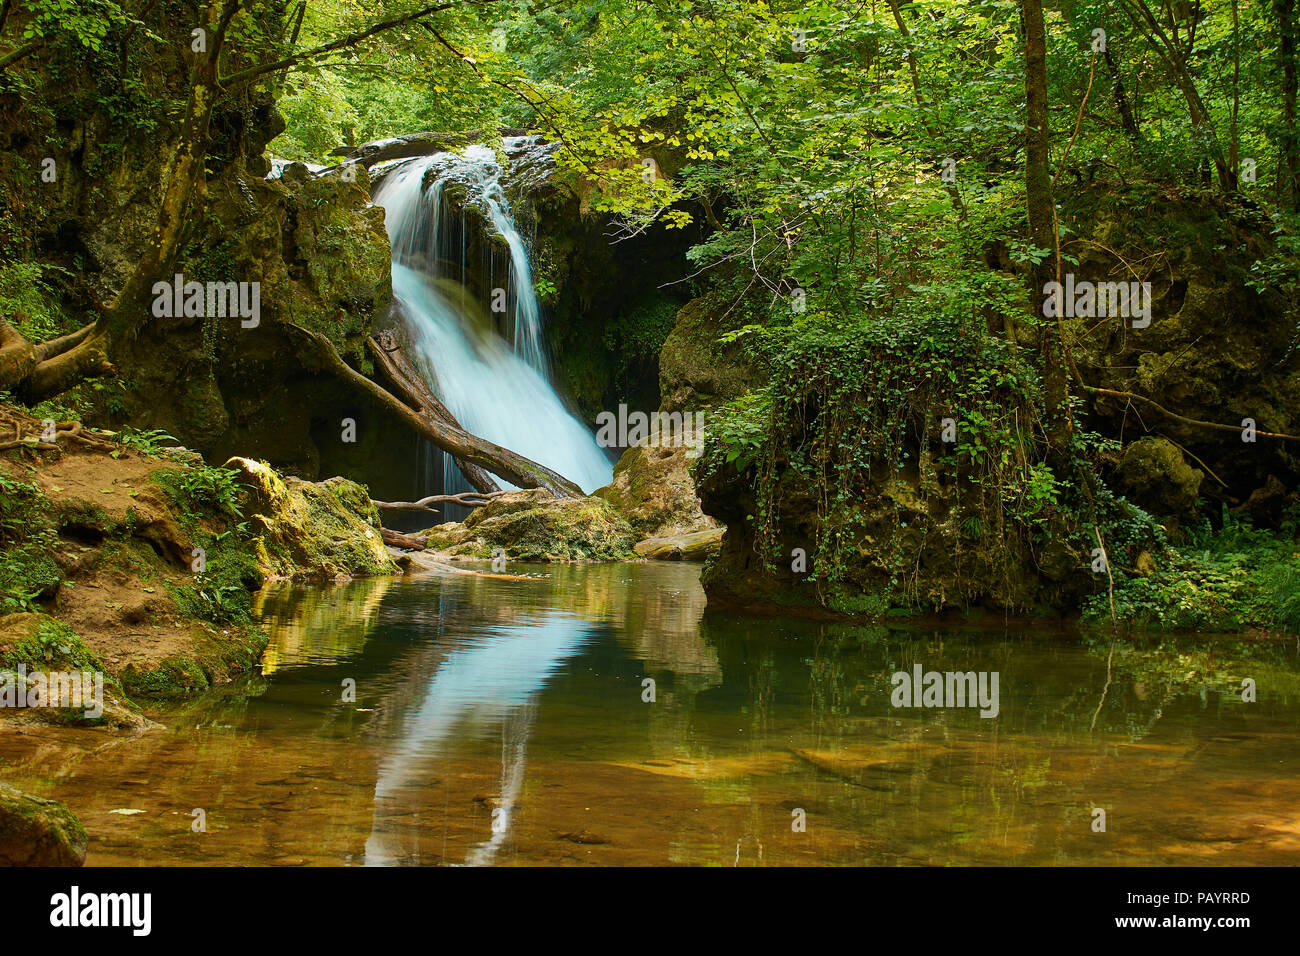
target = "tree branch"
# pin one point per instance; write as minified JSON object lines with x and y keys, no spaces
{"x":351,"y":39}
{"x":9,"y":59}
{"x":466,"y":499}
{"x":1235,"y":429}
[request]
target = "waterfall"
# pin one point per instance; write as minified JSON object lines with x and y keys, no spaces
{"x":495,"y":380}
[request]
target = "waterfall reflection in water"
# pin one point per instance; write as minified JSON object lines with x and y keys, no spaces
{"x":497,"y":677}
{"x":475,"y":693}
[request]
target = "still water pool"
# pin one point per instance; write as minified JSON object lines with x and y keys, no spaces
{"x":507,"y":721}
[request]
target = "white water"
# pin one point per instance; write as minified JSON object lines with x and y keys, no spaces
{"x":498,"y":389}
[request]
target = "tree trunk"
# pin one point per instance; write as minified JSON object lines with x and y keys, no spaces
{"x":122,"y":321}
{"x":503,"y":462}
{"x":1234,"y":141}
{"x":1121,"y":97}
{"x":1289,"y":166}
{"x":922,"y":101}
{"x":411,"y":388}
{"x":1176,"y":61}
{"x":1042,"y":229}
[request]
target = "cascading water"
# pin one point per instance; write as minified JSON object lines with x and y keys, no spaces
{"x":496,"y":383}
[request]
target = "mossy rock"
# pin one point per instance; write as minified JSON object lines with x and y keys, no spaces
{"x":166,"y":679}
{"x":533,"y":525}
{"x":1215,"y":350}
{"x":320,"y":253}
{"x":310,"y":529}
{"x":695,"y":371}
{"x":216,"y":657}
{"x":1152,"y":473}
{"x":35,"y":831}
{"x":893,"y":525}
{"x":652,"y":488}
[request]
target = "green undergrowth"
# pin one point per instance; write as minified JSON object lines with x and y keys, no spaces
{"x":1220,"y":579}
{"x":225,"y":567}
{"x":28,"y":296}
{"x":635,"y":339}
{"x":27,"y":540}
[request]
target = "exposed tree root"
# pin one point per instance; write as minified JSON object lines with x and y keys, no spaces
{"x":36,"y":430}
{"x":37,"y":372}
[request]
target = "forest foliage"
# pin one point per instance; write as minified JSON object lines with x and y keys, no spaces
{"x":856,"y":166}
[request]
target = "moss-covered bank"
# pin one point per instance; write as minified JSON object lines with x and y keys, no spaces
{"x":138,"y":561}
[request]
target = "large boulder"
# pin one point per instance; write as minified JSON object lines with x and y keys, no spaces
{"x":318,"y":250}
{"x":653,"y":489}
{"x":1217,"y":347}
{"x":695,"y":370}
{"x":896,"y":523}
{"x":310,"y":529}
{"x":1152,"y":473}
{"x":35,"y":831}
{"x":534,"y":525}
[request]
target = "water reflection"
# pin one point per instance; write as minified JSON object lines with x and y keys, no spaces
{"x":495,"y":679}
{"x":324,"y":624}
{"x":519,"y":702}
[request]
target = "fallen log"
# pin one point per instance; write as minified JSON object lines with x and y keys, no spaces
{"x":695,"y":546}
{"x":395,"y":539}
{"x":513,"y":467}
{"x":403,"y":377}
{"x":466,"y":499}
